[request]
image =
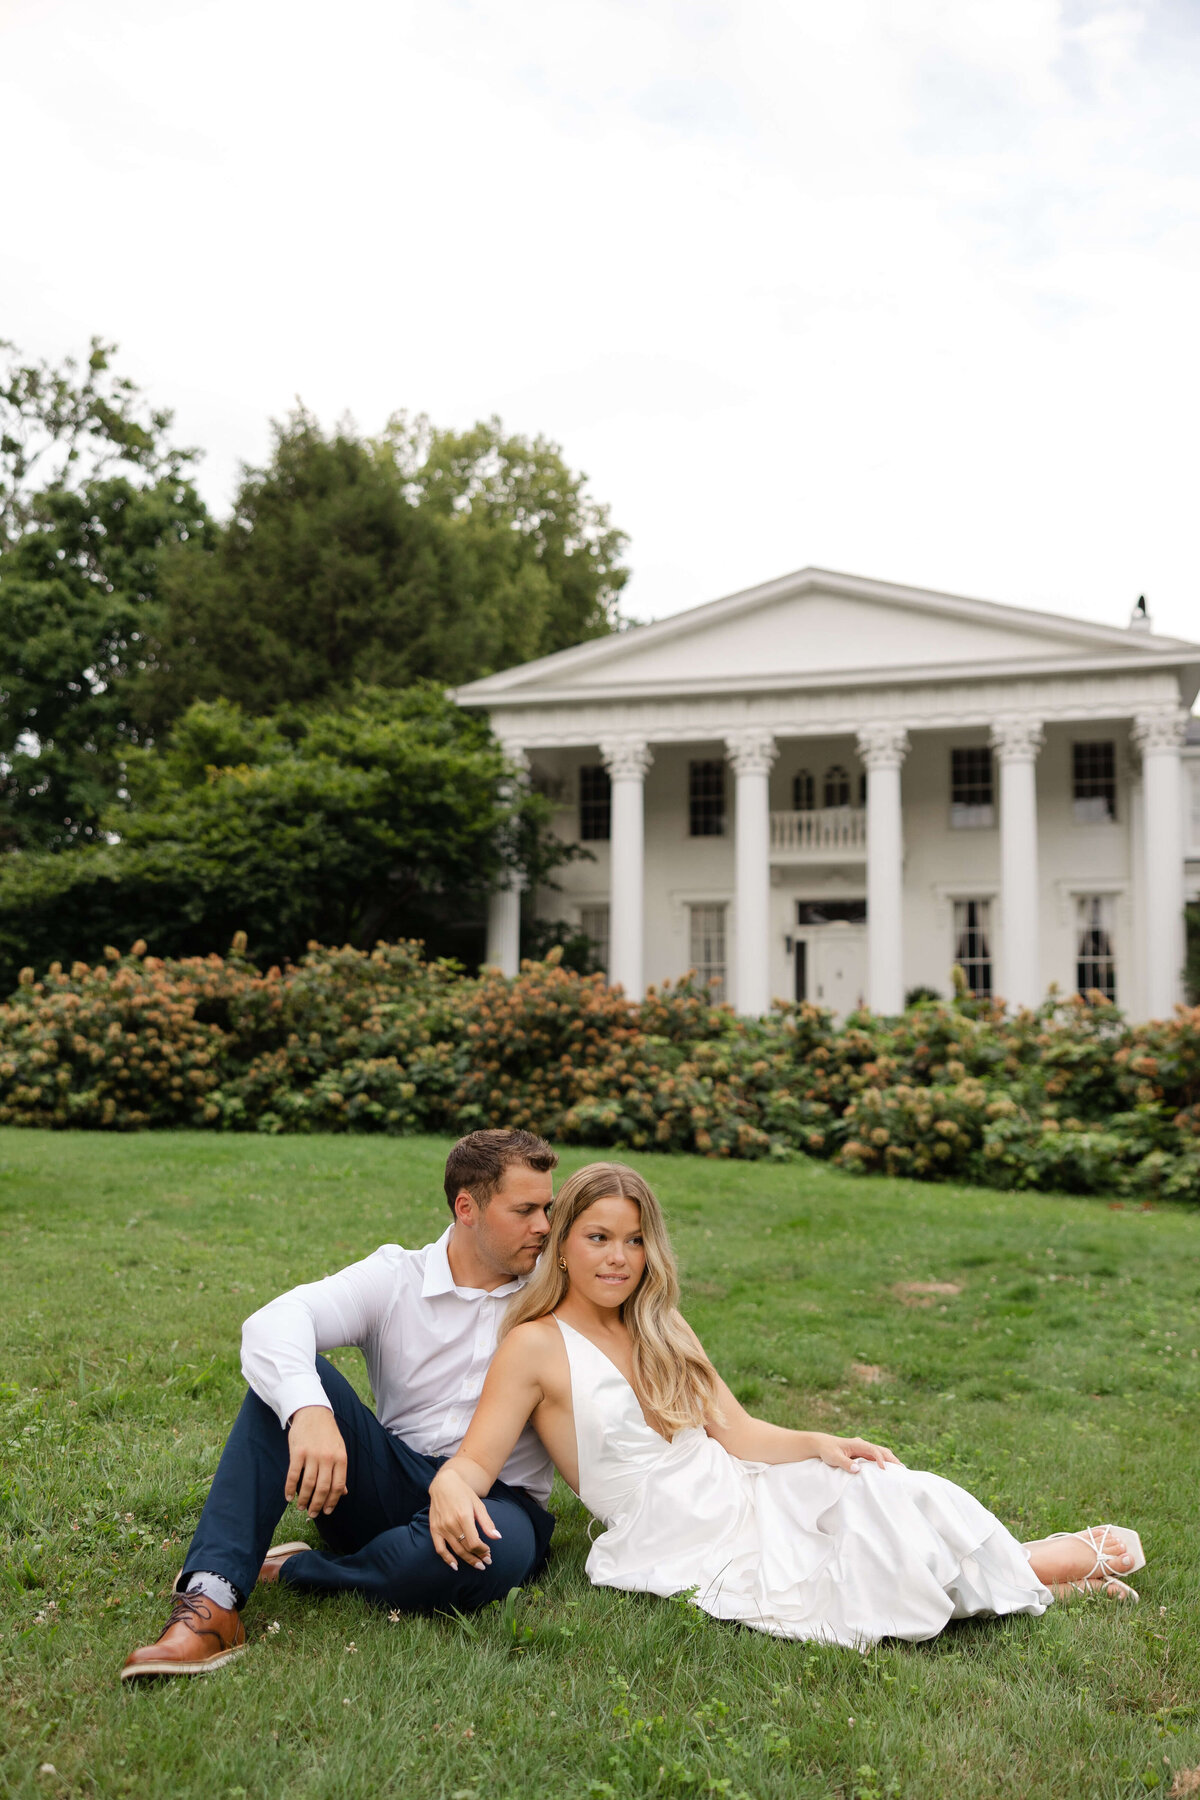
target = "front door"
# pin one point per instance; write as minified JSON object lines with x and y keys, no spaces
{"x":831,"y":966}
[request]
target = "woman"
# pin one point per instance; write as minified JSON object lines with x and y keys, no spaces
{"x":797,"y":1533}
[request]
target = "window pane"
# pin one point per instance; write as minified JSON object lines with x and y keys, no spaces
{"x":803,"y":791}
{"x":972,"y":943}
{"x":837,"y":786}
{"x":593,"y":923}
{"x":1094,"y":782}
{"x":826,"y":912}
{"x":1095,"y":962}
{"x":706,"y":799}
{"x":972,"y":798}
{"x":707,"y":944}
{"x":595,"y":803}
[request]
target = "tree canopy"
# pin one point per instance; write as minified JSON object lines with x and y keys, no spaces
{"x":217,"y":725}
{"x":422,"y":554}
{"x":81,"y":607}
{"x":65,"y":426}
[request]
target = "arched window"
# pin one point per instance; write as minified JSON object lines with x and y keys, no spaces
{"x":804,"y":791}
{"x":837,"y":786}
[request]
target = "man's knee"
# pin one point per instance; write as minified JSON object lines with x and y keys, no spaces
{"x":514,"y":1553}
{"x":412,"y":1576}
{"x":337,"y":1388}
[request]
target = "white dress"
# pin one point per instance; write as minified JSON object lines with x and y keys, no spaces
{"x":796,"y":1549}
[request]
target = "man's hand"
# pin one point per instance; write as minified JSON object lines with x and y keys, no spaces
{"x":316,"y":1477}
{"x":458,"y":1520}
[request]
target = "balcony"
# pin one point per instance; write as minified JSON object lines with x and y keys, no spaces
{"x":826,"y":834}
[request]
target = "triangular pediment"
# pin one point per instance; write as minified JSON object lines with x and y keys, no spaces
{"x":819,"y":626}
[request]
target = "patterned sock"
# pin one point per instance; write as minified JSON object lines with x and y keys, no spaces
{"x":215,"y":1588}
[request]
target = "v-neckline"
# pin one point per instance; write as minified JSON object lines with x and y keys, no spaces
{"x":566,"y":1324}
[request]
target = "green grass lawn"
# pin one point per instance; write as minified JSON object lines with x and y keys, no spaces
{"x":1055,"y":1376}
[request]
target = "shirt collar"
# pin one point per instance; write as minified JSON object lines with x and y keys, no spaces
{"x":439,"y":1279}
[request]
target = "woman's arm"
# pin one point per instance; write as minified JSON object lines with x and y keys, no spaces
{"x":754,"y":1440}
{"x":458,"y":1519}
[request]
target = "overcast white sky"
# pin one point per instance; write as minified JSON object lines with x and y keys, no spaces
{"x":904,"y":287}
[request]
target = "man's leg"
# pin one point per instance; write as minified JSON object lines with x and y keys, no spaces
{"x":381,"y":1526}
{"x":400,"y":1568}
{"x":246,"y":1500}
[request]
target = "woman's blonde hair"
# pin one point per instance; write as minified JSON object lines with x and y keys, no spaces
{"x":672,"y":1375}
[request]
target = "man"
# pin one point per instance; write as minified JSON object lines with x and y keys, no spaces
{"x":426,"y":1322}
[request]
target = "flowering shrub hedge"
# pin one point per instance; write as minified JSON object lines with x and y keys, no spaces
{"x":1068,"y":1097}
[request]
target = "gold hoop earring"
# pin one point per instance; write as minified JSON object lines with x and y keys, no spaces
{"x":562,"y":1262}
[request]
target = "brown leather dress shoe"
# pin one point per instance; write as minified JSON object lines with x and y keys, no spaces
{"x":198,"y":1637}
{"x":276,"y":1556}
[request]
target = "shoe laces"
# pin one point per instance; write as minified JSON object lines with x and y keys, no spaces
{"x":192,"y":1610}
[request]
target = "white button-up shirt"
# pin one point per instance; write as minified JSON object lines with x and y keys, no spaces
{"x":427,"y":1345}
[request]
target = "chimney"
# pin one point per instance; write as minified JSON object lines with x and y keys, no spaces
{"x":1139,"y":618}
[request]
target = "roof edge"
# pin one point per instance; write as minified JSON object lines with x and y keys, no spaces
{"x":1142,"y":646}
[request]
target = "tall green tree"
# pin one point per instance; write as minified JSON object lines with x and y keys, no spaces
{"x":419,"y":555}
{"x":529,"y":521}
{"x":93,"y":499}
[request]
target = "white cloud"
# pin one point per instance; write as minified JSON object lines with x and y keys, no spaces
{"x":909,"y":291}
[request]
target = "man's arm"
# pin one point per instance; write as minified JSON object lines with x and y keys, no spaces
{"x":280,"y":1344}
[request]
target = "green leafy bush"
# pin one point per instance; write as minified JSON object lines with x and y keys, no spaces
{"x":1069,"y":1097}
{"x":391,"y":814}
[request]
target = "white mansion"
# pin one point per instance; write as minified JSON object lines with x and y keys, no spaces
{"x":836,"y":789}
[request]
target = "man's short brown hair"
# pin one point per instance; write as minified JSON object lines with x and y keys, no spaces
{"x":477,"y":1163}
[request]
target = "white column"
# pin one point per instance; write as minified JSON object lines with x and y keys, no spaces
{"x":504,"y":903}
{"x":1159,"y":736}
{"x":627,"y":760}
{"x":751,"y":753}
{"x":504,"y":929}
{"x":1131,"y":986}
{"x":882,"y":748}
{"x":1016,"y":742}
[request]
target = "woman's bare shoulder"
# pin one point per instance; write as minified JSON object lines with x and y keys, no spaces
{"x":532,"y":1341}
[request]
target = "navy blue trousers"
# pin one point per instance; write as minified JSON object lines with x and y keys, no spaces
{"x":377,"y":1535}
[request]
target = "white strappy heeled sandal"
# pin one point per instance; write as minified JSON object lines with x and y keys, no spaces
{"x":1096,"y":1537}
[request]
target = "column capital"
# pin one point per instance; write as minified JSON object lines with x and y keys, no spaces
{"x":626,"y":758}
{"x":1016,"y":738}
{"x":1160,"y":728}
{"x":882,"y":746}
{"x":751,"y":752}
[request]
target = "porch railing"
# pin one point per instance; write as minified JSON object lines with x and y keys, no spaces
{"x":825,"y":831}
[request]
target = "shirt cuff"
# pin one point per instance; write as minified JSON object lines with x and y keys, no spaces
{"x":302,"y":1390}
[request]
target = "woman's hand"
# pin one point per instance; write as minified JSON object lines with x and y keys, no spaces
{"x":458,"y":1520}
{"x":847,"y":1453}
